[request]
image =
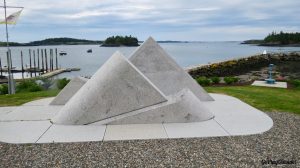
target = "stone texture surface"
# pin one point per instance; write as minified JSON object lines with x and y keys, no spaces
{"x":69,"y":90}
{"x":281,"y":142}
{"x":163,"y":71}
{"x":182,"y":107}
{"x":116,"y":88}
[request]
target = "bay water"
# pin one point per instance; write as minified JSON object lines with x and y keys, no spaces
{"x":185,"y":54}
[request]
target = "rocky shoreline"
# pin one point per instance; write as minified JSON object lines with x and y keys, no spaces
{"x":286,"y":65}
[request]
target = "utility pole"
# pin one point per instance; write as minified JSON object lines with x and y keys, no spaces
{"x":11,"y":83}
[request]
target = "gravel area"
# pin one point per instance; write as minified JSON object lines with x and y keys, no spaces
{"x":282,"y":142}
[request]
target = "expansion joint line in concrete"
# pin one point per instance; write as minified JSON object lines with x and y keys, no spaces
{"x":43,"y":133}
{"x":104,"y":133}
{"x":222,"y":127}
{"x":165,"y":130}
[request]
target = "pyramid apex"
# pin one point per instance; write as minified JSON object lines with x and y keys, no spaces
{"x":118,"y":54}
{"x":150,"y":40}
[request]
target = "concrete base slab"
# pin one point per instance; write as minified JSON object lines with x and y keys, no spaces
{"x":263,"y":83}
{"x":238,"y":118}
{"x":222,"y":97}
{"x":232,"y":117}
{"x":67,"y":133}
{"x":31,"y":113}
{"x":41,"y":102}
{"x":198,"y":129}
{"x":22,"y":131}
{"x":5,"y":110}
{"x":135,"y":131}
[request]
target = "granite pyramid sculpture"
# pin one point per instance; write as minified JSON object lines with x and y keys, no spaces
{"x":119,"y":93}
{"x":163,"y":71}
{"x":68,"y":91}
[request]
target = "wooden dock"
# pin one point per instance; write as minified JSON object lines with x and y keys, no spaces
{"x":45,"y":75}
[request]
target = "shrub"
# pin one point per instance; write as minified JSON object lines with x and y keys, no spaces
{"x":235,"y":79}
{"x":231,"y":80}
{"x":35,"y":88}
{"x":3,"y":89}
{"x":296,"y":83}
{"x":28,"y":86}
{"x":61,"y":83}
{"x":203,"y":81}
{"x":46,"y":83}
{"x":215,"y":80}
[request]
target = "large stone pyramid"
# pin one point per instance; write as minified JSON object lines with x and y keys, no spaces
{"x":116,"y":88}
{"x":120,"y":93}
{"x":163,"y":71}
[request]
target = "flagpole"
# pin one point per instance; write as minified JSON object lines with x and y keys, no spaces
{"x":11,"y":88}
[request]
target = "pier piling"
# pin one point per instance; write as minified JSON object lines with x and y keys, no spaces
{"x":38,"y":59}
{"x":30,"y":58}
{"x":34,"y":65}
{"x":42,"y":54}
{"x":0,"y":66}
{"x":56,"y":61}
{"x":22,"y":62}
{"x":46,"y":60}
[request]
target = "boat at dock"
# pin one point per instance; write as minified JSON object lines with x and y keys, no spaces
{"x":89,"y":51}
{"x":62,"y":53}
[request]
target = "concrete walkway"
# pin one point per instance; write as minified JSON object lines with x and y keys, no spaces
{"x":30,"y":123}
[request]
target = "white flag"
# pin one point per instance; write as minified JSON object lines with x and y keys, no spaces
{"x":12,"y":19}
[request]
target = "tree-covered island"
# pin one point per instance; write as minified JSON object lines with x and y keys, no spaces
{"x":277,"y":39}
{"x":117,"y":41}
{"x":54,"y":41}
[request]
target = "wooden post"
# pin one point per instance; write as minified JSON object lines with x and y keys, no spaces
{"x":42,"y":54}
{"x":22,"y":66}
{"x":38,"y":59}
{"x":34,"y":65}
{"x":0,"y":66}
{"x":46,"y":61}
{"x":29,"y":59}
{"x":52,"y":67}
{"x":56,"y":61}
{"x":50,"y":60}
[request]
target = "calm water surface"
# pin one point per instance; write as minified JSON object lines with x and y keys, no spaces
{"x":186,"y":54}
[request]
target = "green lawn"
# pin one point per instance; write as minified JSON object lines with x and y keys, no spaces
{"x":264,"y":98}
{"x":21,"y":98}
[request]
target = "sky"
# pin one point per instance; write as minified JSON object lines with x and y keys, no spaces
{"x":185,"y":20}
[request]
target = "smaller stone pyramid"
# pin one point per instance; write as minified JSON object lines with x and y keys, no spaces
{"x":163,"y":71}
{"x":183,"y":107}
{"x":68,"y":91}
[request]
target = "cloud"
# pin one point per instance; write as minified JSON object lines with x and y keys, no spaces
{"x":167,"y":19}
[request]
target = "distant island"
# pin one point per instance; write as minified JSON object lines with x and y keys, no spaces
{"x":54,"y":41}
{"x":277,"y":39}
{"x":117,"y":41}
